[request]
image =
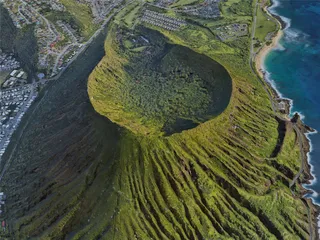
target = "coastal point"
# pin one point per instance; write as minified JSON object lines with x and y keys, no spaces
{"x":158,"y":119}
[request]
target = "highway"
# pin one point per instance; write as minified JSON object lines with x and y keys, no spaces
{"x":60,"y":55}
{"x":15,"y":122}
{"x":34,"y":84}
{"x":299,"y":133}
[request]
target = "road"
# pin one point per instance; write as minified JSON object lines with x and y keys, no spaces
{"x":15,"y":122}
{"x":301,"y":170}
{"x":22,"y":15}
{"x":251,"y":60}
{"x":44,"y":81}
{"x":8,"y":162}
{"x":44,"y":19}
{"x":273,"y":104}
{"x":251,"y":63}
{"x":299,"y":133}
{"x":253,"y":31}
{"x":60,"y":55}
{"x":84,"y":46}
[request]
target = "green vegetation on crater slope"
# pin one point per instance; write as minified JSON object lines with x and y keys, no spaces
{"x":76,"y":175}
{"x":160,"y":88}
{"x":225,"y":179}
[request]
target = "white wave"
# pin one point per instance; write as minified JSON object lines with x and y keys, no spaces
{"x":312,"y":171}
{"x":312,"y":182}
{"x":273,"y":84}
{"x":302,"y":116}
{"x":315,"y":194}
{"x":279,"y":47}
{"x":287,"y":21}
{"x":294,"y":35}
{"x":272,"y":9}
{"x":274,"y":5}
{"x":318,"y":224}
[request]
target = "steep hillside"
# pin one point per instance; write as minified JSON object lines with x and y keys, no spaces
{"x":21,"y":42}
{"x":8,"y":30}
{"x":154,"y":87}
{"x":220,"y":179}
{"x":77,"y":175}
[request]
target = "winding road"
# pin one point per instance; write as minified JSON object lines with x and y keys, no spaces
{"x":299,"y":133}
{"x":43,"y":81}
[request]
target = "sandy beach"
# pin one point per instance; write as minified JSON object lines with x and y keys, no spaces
{"x":260,"y":57}
{"x":314,"y":222}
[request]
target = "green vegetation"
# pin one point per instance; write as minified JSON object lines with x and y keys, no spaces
{"x":243,"y":8}
{"x":181,"y":3}
{"x":265,"y":25}
{"x":237,"y":7}
{"x":129,"y":15}
{"x":76,"y":175}
{"x":64,"y":16}
{"x":83,"y":15}
{"x":165,"y":88}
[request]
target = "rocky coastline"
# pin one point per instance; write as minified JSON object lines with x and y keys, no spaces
{"x":284,"y":107}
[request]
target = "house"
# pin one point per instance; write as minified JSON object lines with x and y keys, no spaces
{"x":13,"y":73}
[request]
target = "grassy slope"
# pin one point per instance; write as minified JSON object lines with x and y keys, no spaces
{"x":82,"y":13}
{"x":264,"y":26}
{"x":216,"y":181}
{"x":146,"y":106}
{"x":131,"y":17}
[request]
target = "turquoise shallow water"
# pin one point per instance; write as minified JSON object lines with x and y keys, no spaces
{"x":294,"y":69}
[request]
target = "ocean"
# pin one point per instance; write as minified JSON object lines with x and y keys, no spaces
{"x":293,"y":67}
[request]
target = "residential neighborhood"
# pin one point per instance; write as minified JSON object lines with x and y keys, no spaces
{"x":16,"y":78}
{"x":58,"y":44}
{"x":232,"y":31}
{"x":207,"y":9}
{"x":161,"y":20}
{"x":8,"y":62}
{"x":16,"y":96}
{"x":13,"y":104}
{"x":58,"y":40}
{"x":101,"y":8}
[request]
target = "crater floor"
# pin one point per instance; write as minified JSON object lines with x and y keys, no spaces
{"x":151,"y":86}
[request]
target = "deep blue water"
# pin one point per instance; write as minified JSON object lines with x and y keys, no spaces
{"x":294,"y":68}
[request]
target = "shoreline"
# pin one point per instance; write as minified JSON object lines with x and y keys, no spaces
{"x":264,"y":51}
{"x":306,"y":171}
